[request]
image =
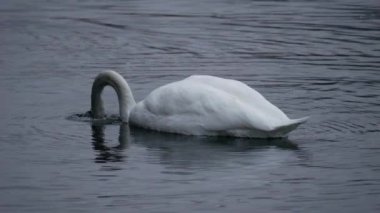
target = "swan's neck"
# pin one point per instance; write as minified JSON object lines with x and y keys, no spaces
{"x":124,"y":94}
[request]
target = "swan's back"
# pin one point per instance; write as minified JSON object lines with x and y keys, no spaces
{"x":240,"y":91}
{"x":207,"y":105}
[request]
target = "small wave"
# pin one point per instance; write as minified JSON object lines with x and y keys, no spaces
{"x":86,"y":117}
{"x":357,"y":127}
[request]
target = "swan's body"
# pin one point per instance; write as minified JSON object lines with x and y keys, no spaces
{"x":198,"y":105}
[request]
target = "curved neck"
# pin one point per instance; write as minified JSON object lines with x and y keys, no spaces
{"x":124,"y":94}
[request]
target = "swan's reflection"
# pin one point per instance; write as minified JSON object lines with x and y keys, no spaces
{"x":106,"y":153}
{"x":174,"y":148}
{"x":154,"y":139}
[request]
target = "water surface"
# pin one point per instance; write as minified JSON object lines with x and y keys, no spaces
{"x":317,"y":58}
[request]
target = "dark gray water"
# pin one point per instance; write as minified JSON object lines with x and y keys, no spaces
{"x":318,"y":58}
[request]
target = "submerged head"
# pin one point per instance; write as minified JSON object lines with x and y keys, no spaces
{"x":124,"y":94}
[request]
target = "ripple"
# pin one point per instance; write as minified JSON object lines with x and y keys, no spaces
{"x":354,"y":126}
{"x":86,"y":117}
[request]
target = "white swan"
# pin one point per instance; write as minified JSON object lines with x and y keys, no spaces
{"x":197,"y":105}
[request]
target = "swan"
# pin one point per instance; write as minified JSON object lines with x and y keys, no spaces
{"x":197,"y":105}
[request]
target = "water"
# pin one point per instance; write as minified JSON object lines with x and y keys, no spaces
{"x":317,"y":58}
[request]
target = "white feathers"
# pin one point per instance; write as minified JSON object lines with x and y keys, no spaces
{"x":208,"y":105}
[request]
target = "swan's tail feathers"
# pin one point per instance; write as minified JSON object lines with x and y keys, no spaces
{"x":283,"y":130}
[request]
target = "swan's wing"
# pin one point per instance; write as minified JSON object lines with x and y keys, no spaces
{"x":243,"y":92}
{"x":193,"y":107}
